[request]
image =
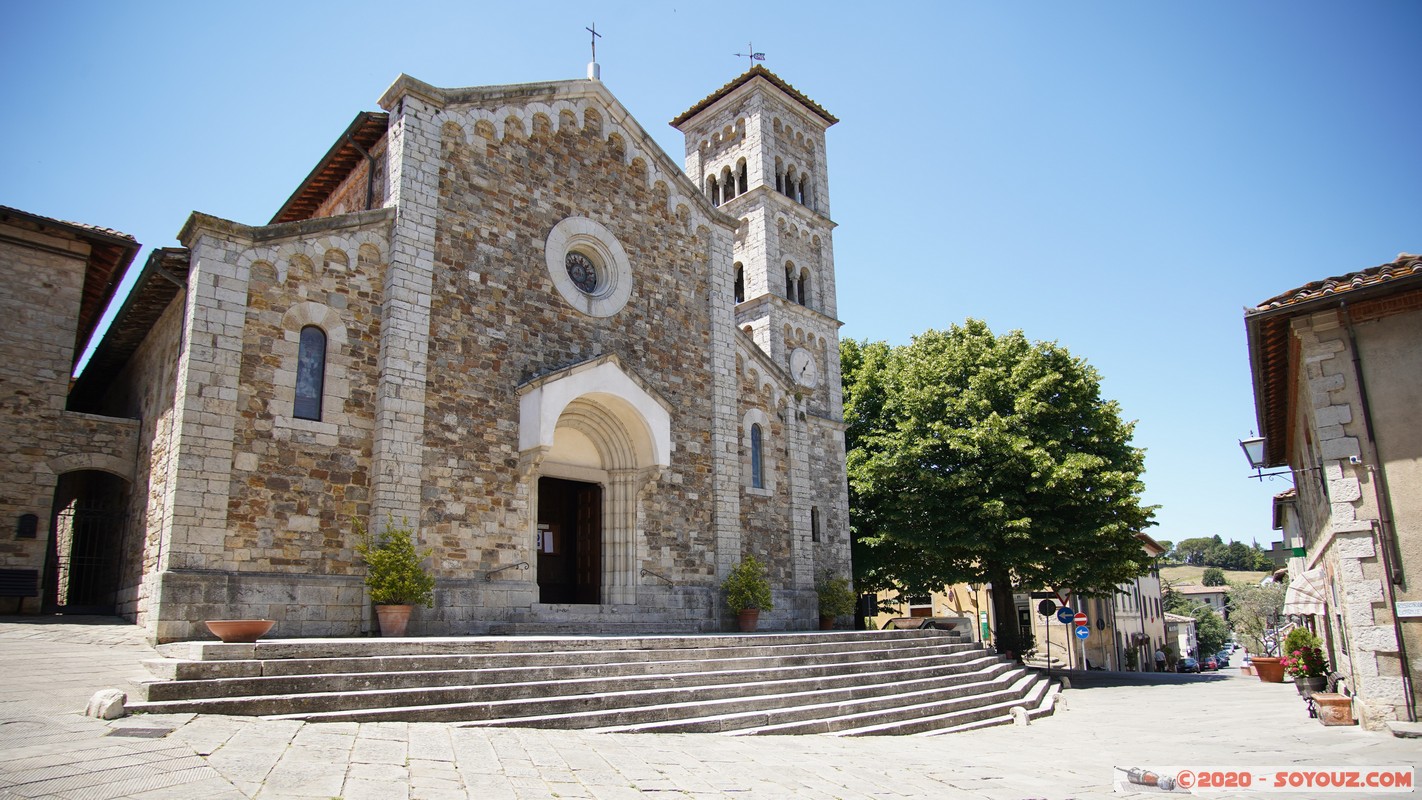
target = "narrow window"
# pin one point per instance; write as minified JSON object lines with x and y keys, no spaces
{"x":740,"y":284}
{"x":789,"y":281}
{"x":741,"y":182}
{"x":802,"y":288}
{"x":815,"y":523}
{"x":728,"y":184}
{"x":310,"y":373}
{"x":757,"y":470}
{"x":27,"y":527}
{"x":712,"y":192}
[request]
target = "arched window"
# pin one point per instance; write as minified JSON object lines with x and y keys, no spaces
{"x":815,"y":523}
{"x":740,"y":284}
{"x":310,"y":373}
{"x":741,"y":182}
{"x":728,"y":185}
{"x":789,"y":281}
{"x":802,"y":287}
{"x":757,"y":459}
{"x":713,"y":193}
{"x":803,"y":195}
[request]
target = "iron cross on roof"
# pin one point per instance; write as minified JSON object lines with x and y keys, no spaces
{"x":752,"y":55}
{"x":595,"y":37}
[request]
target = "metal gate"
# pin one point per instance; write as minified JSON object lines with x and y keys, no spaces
{"x":84,"y":560}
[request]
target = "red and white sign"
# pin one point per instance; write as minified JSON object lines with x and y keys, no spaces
{"x":1079,"y":619}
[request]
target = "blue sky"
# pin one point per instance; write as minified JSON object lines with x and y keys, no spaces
{"x":1122,"y":178}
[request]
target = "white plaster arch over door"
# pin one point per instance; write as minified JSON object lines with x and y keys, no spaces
{"x":594,"y":422}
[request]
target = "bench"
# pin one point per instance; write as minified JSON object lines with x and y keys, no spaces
{"x":1334,"y":706}
{"x":19,"y":584}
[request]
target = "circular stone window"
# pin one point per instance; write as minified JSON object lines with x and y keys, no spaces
{"x":588,"y":266}
{"x":582,"y":271}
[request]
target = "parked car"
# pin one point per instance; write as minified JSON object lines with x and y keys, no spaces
{"x":1188,"y":664}
{"x":1209,"y":664}
{"x":1222,"y":658}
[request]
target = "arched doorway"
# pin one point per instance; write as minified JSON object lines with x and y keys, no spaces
{"x":593,"y":438}
{"x":85,"y":557}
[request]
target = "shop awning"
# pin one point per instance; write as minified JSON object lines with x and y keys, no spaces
{"x":1306,"y":593}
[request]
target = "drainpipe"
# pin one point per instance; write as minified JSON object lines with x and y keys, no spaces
{"x":1391,"y":557}
{"x":369,"y":173}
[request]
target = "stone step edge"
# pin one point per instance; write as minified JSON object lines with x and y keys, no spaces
{"x":836,"y":705}
{"x":1006,"y":685}
{"x":1027,"y":689}
{"x":215,"y":705}
{"x":454,"y":645}
{"x":822,"y":669}
{"x":984,"y":679}
{"x":258,"y":667}
{"x":1044,"y":708}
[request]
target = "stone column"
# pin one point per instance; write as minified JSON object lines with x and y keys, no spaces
{"x":414,"y":158}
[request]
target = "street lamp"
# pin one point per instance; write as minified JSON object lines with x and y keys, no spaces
{"x":1253,"y":448}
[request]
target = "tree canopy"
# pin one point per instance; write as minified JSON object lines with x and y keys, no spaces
{"x":1211,"y":551}
{"x":976,"y":457}
{"x":1213,"y":576}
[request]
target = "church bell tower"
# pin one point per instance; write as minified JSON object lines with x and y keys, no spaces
{"x":756,"y":147}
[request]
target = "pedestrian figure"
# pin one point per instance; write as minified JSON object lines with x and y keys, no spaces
{"x":1159,"y":660}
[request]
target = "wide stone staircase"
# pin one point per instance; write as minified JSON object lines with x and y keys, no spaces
{"x":849,"y":683}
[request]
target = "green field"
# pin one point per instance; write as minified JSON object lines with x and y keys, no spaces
{"x":1186,"y":575}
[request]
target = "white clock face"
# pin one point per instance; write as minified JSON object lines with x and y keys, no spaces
{"x":802,"y":368}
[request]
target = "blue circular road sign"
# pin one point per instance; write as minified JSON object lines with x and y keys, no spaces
{"x":1083,"y":631}
{"x":1065,"y":615}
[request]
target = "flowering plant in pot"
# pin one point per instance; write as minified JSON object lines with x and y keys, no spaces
{"x":395,"y":575}
{"x":836,"y":599}
{"x":747,"y":592}
{"x":1308,"y":667}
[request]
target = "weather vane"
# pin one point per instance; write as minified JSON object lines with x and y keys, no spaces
{"x":595,"y":37}
{"x":752,"y":55}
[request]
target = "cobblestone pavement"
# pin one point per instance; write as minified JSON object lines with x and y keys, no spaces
{"x":48,"y":749}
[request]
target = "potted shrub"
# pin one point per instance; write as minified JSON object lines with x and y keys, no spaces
{"x":395,"y":575}
{"x":1304,"y":661}
{"x":747,"y":592}
{"x":836,"y":599}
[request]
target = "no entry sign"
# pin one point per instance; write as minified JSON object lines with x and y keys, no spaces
{"x":1079,"y":619}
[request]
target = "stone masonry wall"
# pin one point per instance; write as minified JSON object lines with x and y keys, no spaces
{"x":39,"y":296}
{"x":144,"y":391}
{"x":1347,"y":543}
{"x":496,"y":321}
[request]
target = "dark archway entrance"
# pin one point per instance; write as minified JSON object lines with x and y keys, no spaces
{"x":569,"y":541}
{"x":84,"y":560}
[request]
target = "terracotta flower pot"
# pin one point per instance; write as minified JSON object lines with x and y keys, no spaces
{"x":826,"y":622}
{"x":1268,"y":668}
{"x":748,"y":619}
{"x":235,"y":631}
{"x":393,"y":619}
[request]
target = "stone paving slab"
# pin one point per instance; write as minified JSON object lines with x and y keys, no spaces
{"x":48,"y":749}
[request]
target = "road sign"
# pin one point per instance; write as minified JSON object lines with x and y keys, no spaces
{"x":1064,"y":615}
{"x":1082,"y":631}
{"x":1079,"y":619}
{"x":1046,"y":607}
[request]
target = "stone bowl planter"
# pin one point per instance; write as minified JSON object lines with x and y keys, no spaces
{"x":239,"y":631}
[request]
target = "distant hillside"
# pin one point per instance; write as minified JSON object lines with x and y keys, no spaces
{"x":1187,"y":575}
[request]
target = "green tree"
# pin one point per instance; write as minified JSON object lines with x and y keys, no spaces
{"x":1210,"y":630}
{"x":1192,"y":551}
{"x":983,"y":458}
{"x":1254,"y":611}
{"x":1214,"y":576}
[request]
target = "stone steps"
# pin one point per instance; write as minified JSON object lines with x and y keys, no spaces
{"x":846,"y":683}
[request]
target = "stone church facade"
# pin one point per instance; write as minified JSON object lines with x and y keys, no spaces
{"x":501,"y":316}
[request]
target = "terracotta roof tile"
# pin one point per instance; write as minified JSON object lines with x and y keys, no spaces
{"x":756,"y":70}
{"x":1405,"y":265}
